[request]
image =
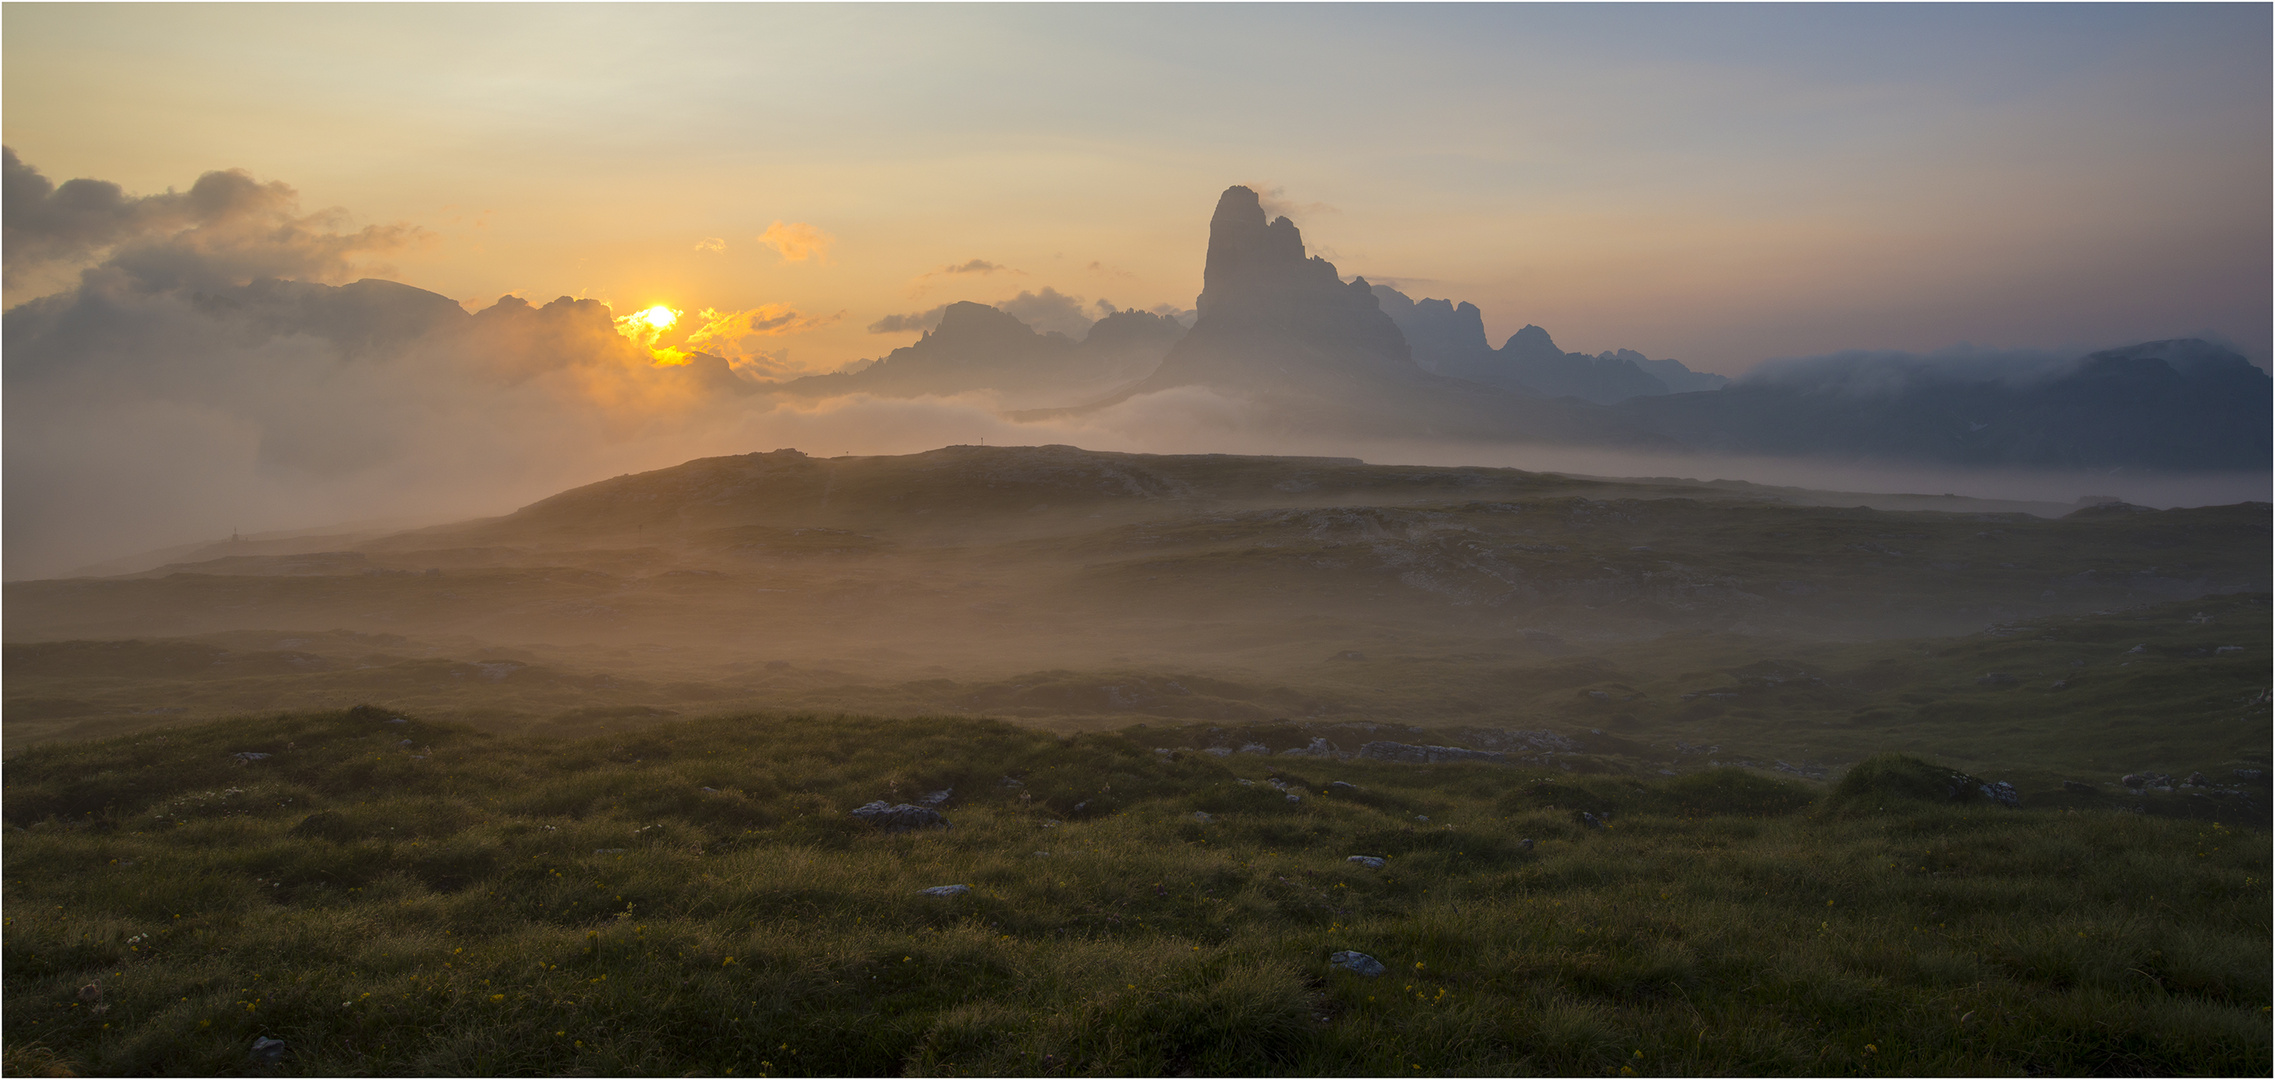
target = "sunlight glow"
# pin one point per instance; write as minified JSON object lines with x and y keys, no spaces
{"x":647,"y":327}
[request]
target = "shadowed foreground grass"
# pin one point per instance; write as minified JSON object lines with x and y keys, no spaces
{"x":401,"y":897}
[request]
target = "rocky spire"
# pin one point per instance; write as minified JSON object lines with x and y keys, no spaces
{"x":1266,"y":308}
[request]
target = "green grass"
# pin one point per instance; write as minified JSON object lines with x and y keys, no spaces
{"x":478,"y":903}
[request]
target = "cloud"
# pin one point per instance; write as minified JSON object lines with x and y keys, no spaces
{"x":975,"y":266}
{"x":227,"y":228}
{"x":745,"y":338}
{"x":911,"y":323}
{"x":797,"y":241}
{"x":1049,"y":310}
{"x":1186,"y":316}
{"x":712,"y":244}
{"x":1276,"y":204}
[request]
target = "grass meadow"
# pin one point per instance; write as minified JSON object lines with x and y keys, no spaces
{"x":392,"y":896}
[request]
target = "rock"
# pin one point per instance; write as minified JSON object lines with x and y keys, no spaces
{"x":249,"y":755}
{"x":268,"y":1051}
{"x":1318,"y":748}
{"x":2058,"y":684}
{"x":1293,"y":797}
{"x":1220,"y":751}
{"x":1344,"y":787}
{"x":398,"y":720}
{"x":1591,"y":820}
{"x":2252,"y":776}
{"x":2079,"y":786}
{"x":1203,"y":816}
{"x":608,"y":851}
{"x":938,"y":797}
{"x":91,"y":993}
{"x":1525,"y":844}
{"x":1358,"y":963}
{"x":1255,"y":748}
{"x":946,"y":890}
{"x":1371,"y":862}
{"x":1425,"y":755}
{"x":2197,"y":779}
{"x":2137,"y":649}
{"x":1421,"y":817}
{"x":899,"y":818}
{"x":2003,"y":794}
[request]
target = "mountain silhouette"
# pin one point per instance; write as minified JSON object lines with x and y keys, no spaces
{"x":2178,"y":404}
{"x":977,"y":347}
{"x":1449,"y":339}
{"x":1314,"y":353}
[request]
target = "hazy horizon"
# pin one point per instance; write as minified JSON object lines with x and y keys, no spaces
{"x":1727,"y":186}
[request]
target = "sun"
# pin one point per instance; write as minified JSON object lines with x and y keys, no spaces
{"x":653,"y":320}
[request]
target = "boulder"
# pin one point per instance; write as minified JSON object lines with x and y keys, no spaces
{"x":899,"y":817}
{"x":2003,"y":794}
{"x":1358,"y":963}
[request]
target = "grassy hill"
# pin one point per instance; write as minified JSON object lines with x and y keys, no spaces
{"x":389,"y":895}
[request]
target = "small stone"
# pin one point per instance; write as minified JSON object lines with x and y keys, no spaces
{"x":1343,"y":787}
{"x":1220,"y":751}
{"x":268,"y":1051}
{"x":252,"y":755}
{"x":1358,"y":963}
{"x":2003,"y":794}
{"x":2197,"y":779}
{"x":1421,"y":817}
{"x":1591,"y":820}
{"x":1293,"y":797}
{"x":1203,"y":816}
{"x":1525,"y":844}
{"x":1255,"y":748}
{"x":946,"y":890}
{"x":2251,"y":776}
{"x":1371,"y":862}
{"x":938,"y":797}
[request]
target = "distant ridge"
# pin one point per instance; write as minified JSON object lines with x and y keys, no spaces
{"x":1449,"y":339}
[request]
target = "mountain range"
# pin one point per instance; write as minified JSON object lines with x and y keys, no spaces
{"x":1311,"y":352}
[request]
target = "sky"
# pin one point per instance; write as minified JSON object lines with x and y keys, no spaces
{"x":1719,"y":184}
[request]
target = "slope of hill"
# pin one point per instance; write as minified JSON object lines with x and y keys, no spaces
{"x":957,"y":579}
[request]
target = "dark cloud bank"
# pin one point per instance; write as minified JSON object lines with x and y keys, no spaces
{"x":186,"y":367}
